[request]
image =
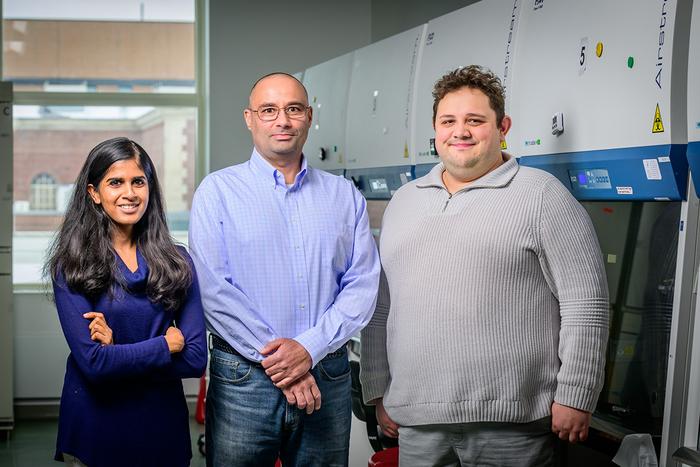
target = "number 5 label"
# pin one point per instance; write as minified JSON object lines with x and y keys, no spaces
{"x":583,"y":49}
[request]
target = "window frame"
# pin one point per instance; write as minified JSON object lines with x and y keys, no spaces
{"x":197,"y":100}
{"x":43,"y":194}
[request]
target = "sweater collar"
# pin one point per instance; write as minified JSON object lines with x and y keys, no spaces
{"x":497,"y":178}
{"x":135,"y":280}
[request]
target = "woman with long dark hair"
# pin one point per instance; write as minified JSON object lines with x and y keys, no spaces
{"x":129,"y":305}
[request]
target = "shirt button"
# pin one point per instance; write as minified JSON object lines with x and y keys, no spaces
{"x":300,"y":276}
{"x":302,"y":306}
{"x":296,"y":247}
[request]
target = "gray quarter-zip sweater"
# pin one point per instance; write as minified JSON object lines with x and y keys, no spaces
{"x":497,"y":302}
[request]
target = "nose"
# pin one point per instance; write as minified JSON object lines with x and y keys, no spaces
{"x":461,"y":130}
{"x":282,"y":119}
{"x":130,"y":192}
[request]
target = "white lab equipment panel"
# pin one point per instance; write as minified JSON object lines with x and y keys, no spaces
{"x":6,"y":324}
{"x":327,"y":85}
{"x":694,"y":77}
{"x":483,"y":34}
{"x":605,"y":67}
{"x":380,"y":101}
{"x":691,"y":429}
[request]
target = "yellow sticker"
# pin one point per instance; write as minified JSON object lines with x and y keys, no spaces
{"x":658,"y":126}
{"x":503,"y":144}
{"x":405,"y":150}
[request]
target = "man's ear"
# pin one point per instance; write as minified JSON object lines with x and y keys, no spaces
{"x":506,"y":123}
{"x":248,"y":117}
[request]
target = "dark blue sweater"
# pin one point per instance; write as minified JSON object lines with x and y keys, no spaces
{"x":123,"y":404}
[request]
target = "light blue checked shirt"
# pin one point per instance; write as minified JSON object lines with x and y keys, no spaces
{"x":273,"y":261}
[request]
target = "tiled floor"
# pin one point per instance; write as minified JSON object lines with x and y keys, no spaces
{"x":32,"y":442}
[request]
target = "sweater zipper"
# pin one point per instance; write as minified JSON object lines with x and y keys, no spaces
{"x":447,"y":202}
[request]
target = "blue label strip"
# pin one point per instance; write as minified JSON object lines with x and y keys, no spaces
{"x":693,"y":155}
{"x":625,"y":167}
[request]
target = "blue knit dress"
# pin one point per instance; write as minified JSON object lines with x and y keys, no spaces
{"x":123,"y":404}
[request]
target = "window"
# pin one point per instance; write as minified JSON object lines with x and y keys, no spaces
{"x":43,"y":193}
{"x":84,"y":72}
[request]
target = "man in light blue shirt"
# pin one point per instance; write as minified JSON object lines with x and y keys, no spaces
{"x":288,"y":271}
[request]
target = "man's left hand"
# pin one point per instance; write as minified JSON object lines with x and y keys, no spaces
{"x":570,"y":424}
{"x":287,"y":360}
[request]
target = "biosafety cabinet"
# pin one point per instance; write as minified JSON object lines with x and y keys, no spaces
{"x":597,"y":94}
{"x":6,"y":322}
{"x":596,"y":76}
{"x":327,"y":85}
{"x":483,"y":33}
{"x":380,"y":100}
{"x":379,"y":113}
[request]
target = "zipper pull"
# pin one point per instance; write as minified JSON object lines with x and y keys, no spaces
{"x":447,"y":202}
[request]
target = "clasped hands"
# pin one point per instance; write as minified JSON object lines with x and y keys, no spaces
{"x":287,"y":363}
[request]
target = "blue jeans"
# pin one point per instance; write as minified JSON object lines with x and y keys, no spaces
{"x":250,"y":423}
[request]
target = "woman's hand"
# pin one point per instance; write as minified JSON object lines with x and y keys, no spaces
{"x":99,"y":331}
{"x":175,"y":339}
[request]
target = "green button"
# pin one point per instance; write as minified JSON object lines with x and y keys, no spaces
{"x":630,"y":62}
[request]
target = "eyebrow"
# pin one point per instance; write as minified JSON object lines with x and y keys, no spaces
{"x":468,"y":115}
{"x":121,"y":179}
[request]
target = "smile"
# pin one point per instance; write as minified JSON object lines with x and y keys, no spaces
{"x":128,"y":207}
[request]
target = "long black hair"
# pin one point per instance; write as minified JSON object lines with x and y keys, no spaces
{"x":82,"y":250}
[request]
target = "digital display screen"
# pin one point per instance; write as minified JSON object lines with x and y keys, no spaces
{"x":378,"y":184}
{"x":590,"y":179}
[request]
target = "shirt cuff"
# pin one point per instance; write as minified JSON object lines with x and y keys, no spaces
{"x":310,"y":341}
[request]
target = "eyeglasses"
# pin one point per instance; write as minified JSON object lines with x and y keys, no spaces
{"x":268,"y":113}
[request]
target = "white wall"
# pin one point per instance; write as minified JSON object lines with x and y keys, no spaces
{"x":250,"y":39}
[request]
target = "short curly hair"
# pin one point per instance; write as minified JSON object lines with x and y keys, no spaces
{"x":473,"y":77}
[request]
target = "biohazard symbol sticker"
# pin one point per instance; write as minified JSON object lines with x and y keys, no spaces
{"x":658,"y":126}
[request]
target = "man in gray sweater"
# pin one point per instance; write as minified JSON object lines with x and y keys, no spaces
{"x":494,"y":335}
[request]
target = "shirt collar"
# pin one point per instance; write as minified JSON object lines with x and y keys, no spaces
{"x":497,"y":178}
{"x":262,"y":167}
